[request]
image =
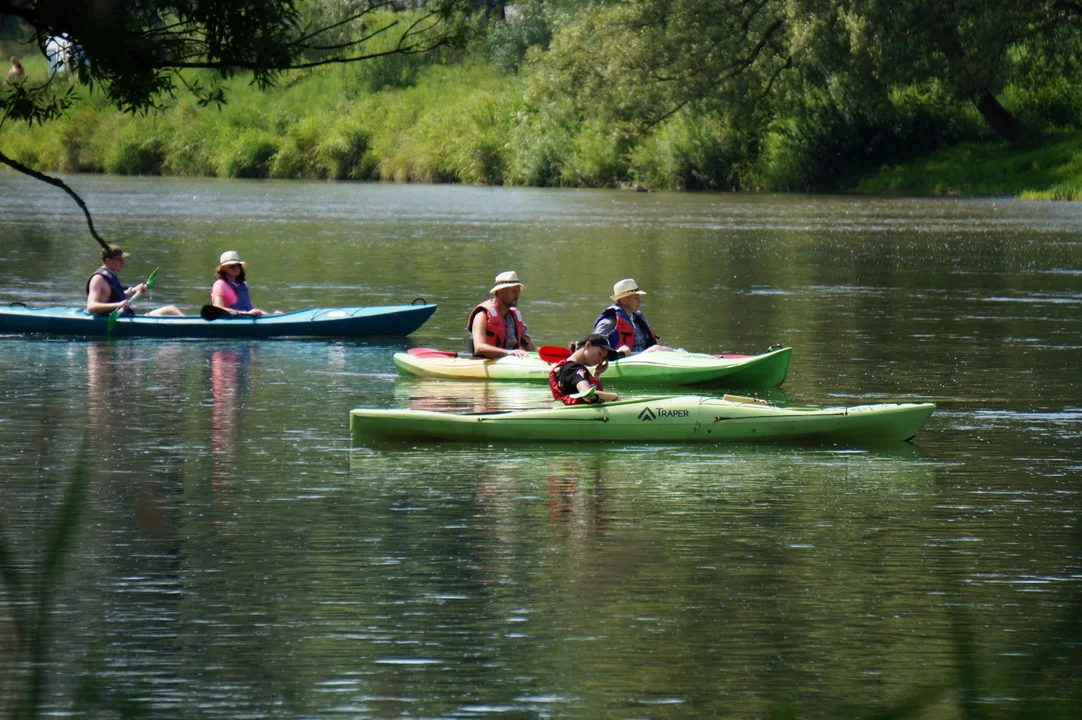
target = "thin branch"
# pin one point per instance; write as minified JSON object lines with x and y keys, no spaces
{"x":346,"y":21}
{"x":55,"y":182}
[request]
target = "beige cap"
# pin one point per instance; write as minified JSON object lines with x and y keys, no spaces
{"x":506,"y":280}
{"x":624,"y":288}
{"x":113,"y":251}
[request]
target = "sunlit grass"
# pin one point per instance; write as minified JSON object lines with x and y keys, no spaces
{"x":1048,"y":170}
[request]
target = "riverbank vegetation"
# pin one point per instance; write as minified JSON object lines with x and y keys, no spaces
{"x":793,"y":95}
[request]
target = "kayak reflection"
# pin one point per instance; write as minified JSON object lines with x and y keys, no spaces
{"x":469,"y":397}
{"x":457,"y":396}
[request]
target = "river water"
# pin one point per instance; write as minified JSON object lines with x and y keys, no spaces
{"x":233,"y":557}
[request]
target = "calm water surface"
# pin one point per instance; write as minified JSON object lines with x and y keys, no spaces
{"x":235,"y":558}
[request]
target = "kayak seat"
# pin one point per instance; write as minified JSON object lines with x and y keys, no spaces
{"x":430,"y":353}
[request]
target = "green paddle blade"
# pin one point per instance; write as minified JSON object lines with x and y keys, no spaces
{"x":152,"y":279}
{"x":584,"y":393}
{"x":112,"y":319}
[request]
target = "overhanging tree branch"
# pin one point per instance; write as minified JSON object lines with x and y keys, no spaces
{"x":55,"y":182}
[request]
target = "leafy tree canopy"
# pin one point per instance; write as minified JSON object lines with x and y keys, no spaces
{"x":137,"y":52}
{"x":642,"y":60}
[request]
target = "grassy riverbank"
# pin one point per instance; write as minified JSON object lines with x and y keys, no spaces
{"x":1050,"y":169}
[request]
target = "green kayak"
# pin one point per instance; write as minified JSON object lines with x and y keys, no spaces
{"x":659,"y":368}
{"x":666,"y":419}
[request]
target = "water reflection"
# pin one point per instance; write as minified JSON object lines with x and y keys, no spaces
{"x":457,"y":396}
{"x":469,"y":397}
{"x":229,"y":374}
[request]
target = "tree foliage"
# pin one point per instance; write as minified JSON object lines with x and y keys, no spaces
{"x":140,"y":53}
{"x":641,"y":61}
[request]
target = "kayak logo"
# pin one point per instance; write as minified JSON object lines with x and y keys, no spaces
{"x":647,"y":414}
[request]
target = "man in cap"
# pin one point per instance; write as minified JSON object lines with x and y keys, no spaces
{"x":104,"y":293}
{"x":623,"y":325}
{"x":496,"y":328}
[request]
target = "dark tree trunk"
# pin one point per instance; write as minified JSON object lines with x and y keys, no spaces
{"x":1005,"y":124}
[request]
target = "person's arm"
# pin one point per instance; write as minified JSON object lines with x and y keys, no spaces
{"x":97,"y":300}
{"x":219,"y":299}
{"x":584,"y":385}
{"x":528,"y":342}
{"x":482,"y":347}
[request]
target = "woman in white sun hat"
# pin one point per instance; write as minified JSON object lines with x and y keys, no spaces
{"x":230,"y":291}
{"x":624,"y":325}
{"x":496,"y":328}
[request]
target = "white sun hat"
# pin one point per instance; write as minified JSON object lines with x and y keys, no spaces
{"x":506,"y":280}
{"x":624,"y":288}
{"x":229,"y":257}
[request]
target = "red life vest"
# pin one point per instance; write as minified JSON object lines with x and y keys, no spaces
{"x":496,"y":334}
{"x":558,"y":394}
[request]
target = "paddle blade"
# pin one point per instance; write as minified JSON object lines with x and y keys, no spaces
{"x":553,"y":354}
{"x":111,"y":323}
{"x":584,"y":393}
{"x":152,"y":279}
{"x":211,"y":312}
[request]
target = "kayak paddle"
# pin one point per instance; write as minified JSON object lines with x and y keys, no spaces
{"x":553,"y":353}
{"x":116,"y":311}
{"x":585,"y":393}
{"x":213,"y":312}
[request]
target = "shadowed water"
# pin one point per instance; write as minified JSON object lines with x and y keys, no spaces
{"x":235,"y":558}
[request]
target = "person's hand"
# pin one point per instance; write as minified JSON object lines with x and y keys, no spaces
{"x":624,"y":350}
{"x":518,"y":353}
{"x":256,"y":311}
{"x":601,"y":367}
{"x":125,"y":303}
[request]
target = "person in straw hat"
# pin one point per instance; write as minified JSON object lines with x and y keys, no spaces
{"x":624,"y":325}
{"x":104,"y":293}
{"x":230,"y":291}
{"x":496,"y":328}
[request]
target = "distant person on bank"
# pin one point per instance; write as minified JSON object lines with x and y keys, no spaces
{"x":16,"y":74}
{"x":104,"y":293}
{"x":230,"y":290}
{"x":496,"y":328}
{"x":624,"y":325}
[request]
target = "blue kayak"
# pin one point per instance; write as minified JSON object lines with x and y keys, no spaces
{"x":387,"y":321}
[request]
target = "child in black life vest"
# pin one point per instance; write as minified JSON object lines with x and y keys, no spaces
{"x":571,"y":381}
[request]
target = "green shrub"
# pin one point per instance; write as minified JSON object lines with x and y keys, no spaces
{"x":297,"y":154}
{"x":138,"y":151}
{"x":343,"y":154}
{"x":539,"y":150}
{"x":249,"y":155}
{"x":692,"y":152}
{"x":596,"y":159}
{"x":526,"y":24}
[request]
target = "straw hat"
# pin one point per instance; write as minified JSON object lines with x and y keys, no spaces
{"x":506,"y":280}
{"x":230,"y":257}
{"x":624,"y":288}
